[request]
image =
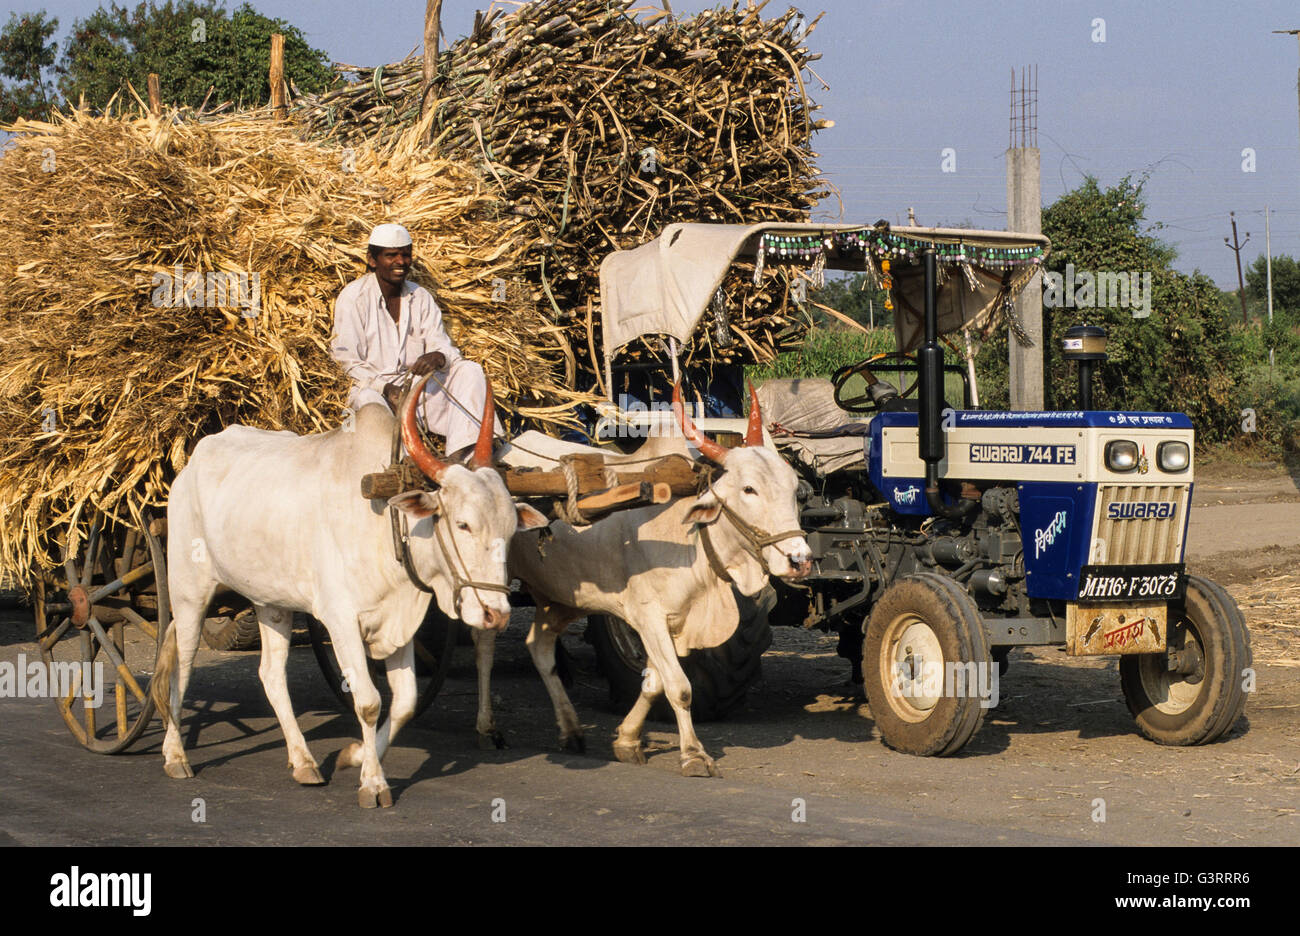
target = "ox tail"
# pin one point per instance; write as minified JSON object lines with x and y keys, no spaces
{"x":160,"y":687}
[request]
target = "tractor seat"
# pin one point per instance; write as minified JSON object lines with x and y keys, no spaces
{"x":804,"y":419}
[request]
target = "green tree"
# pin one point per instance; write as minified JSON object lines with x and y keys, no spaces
{"x":1286,"y":300}
{"x":856,"y":297}
{"x":25,"y":54}
{"x":1183,"y":357}
{"x":192,"y":45}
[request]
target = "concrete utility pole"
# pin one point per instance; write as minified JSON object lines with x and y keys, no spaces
{"x":1236,"y":248}
{"x":1296,"y":33}
{"x":1268,"y":265}
{"x":1025,"y":215}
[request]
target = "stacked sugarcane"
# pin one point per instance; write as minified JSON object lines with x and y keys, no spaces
{"x":161,"y":278}
{"x":601,"y":125}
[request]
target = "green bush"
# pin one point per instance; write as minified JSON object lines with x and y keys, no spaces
{"x":823,"y":351}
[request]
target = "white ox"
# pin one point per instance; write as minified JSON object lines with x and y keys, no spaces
{"x":279,"y":519}
{"x":650,"y":567}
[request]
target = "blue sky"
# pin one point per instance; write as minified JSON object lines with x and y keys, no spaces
{"x":1178,"y":89}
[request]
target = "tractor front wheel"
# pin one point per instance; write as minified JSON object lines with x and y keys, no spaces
{"x":926,"y":665}
{"x":1194,"y":691}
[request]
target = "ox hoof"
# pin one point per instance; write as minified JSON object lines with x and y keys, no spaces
{"x":369,"y":799}
{"x":699,"y":766}
{"x":575,"y":744}
{"x":350,"y":756}
{"x":630,"y":753}
{"x":308,"y":776}
{"x":492,"y":741}
{"x":179,"y":770}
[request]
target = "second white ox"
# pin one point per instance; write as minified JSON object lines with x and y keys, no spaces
{"x":651,"y":566}
{"x":278,"y":518}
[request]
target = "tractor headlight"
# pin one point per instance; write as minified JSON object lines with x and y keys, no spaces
{"x":1173,"y":456}
{"x":1121,"y":455}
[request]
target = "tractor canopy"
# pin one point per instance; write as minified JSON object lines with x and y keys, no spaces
{"x":665,"y":286}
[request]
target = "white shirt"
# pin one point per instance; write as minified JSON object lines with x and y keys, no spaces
{"x":373,"y":349}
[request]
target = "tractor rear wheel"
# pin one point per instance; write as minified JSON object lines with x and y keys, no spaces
{"x":926,"y":665}
{"x":1194,"y":692}
{"x":719,"y":676}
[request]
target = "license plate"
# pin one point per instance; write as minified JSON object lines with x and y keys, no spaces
{"x":1131,"y":584}
{"x":1102,"y":630}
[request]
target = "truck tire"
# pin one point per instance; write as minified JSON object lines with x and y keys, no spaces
{"x":1198,"y":707}
{"x":233,"y":633}
{"x":719,"y":676}
{"x":919,"y":626}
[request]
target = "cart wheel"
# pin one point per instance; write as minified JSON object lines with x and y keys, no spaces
{"x":108,"y":610}
{"x":435,"y":642}
{"x":1192,"y":693}
{"x":924,"y":628}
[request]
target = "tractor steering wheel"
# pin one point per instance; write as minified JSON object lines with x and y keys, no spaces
{"x":866,"y":403}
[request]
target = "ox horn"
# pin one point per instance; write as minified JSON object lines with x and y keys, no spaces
{"x":483,"y":448}
{"x":754,"y":434}
{"x":708,"y":448}
{"x":432,"y":467}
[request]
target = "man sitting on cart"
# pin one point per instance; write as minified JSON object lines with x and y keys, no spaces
{"x":386,"y":327}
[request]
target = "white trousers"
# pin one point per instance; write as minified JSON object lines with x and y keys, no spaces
{"x":466,"y":382}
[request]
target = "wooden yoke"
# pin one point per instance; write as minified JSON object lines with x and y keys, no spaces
{"x":657,"y":483}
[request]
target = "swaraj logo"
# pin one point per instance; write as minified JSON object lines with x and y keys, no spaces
{"x":906,"y":495}
{"x":1141,"y":510}
{"x":1045,"y":537}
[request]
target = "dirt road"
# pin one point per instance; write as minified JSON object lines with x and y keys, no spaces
{"x":1057,"y":761}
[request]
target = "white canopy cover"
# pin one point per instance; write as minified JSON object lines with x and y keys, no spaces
{"x":665,"y":286}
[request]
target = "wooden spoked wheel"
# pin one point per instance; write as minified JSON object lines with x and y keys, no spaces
{"x":99,"y":626}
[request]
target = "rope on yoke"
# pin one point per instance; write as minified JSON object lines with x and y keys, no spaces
{"x":568,"y":509}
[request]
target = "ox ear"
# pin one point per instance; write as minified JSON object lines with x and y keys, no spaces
{"x":530,"y":518}
{"x":417,"y":504}
{"x":705,"y":509}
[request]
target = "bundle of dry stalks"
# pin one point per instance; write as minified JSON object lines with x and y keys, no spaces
{"x":604,"y":123}
{"x":163,"y":278}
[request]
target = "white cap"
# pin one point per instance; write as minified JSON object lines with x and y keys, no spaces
{"x":390,"y":235}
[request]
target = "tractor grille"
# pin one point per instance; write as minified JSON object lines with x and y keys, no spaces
{"x":1141,"y":540}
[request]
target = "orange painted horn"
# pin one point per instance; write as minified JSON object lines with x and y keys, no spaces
{"x":483,"y":448}
{"x":708,"y":448}
{"x":754,"y":434}
{"x":428,"y":463}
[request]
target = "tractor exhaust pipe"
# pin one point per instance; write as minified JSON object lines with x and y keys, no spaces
{"x":1086,"y":346}
{"x":929,"y":360}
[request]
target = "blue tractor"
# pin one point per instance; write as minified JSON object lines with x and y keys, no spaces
{"x":945,"y":535}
